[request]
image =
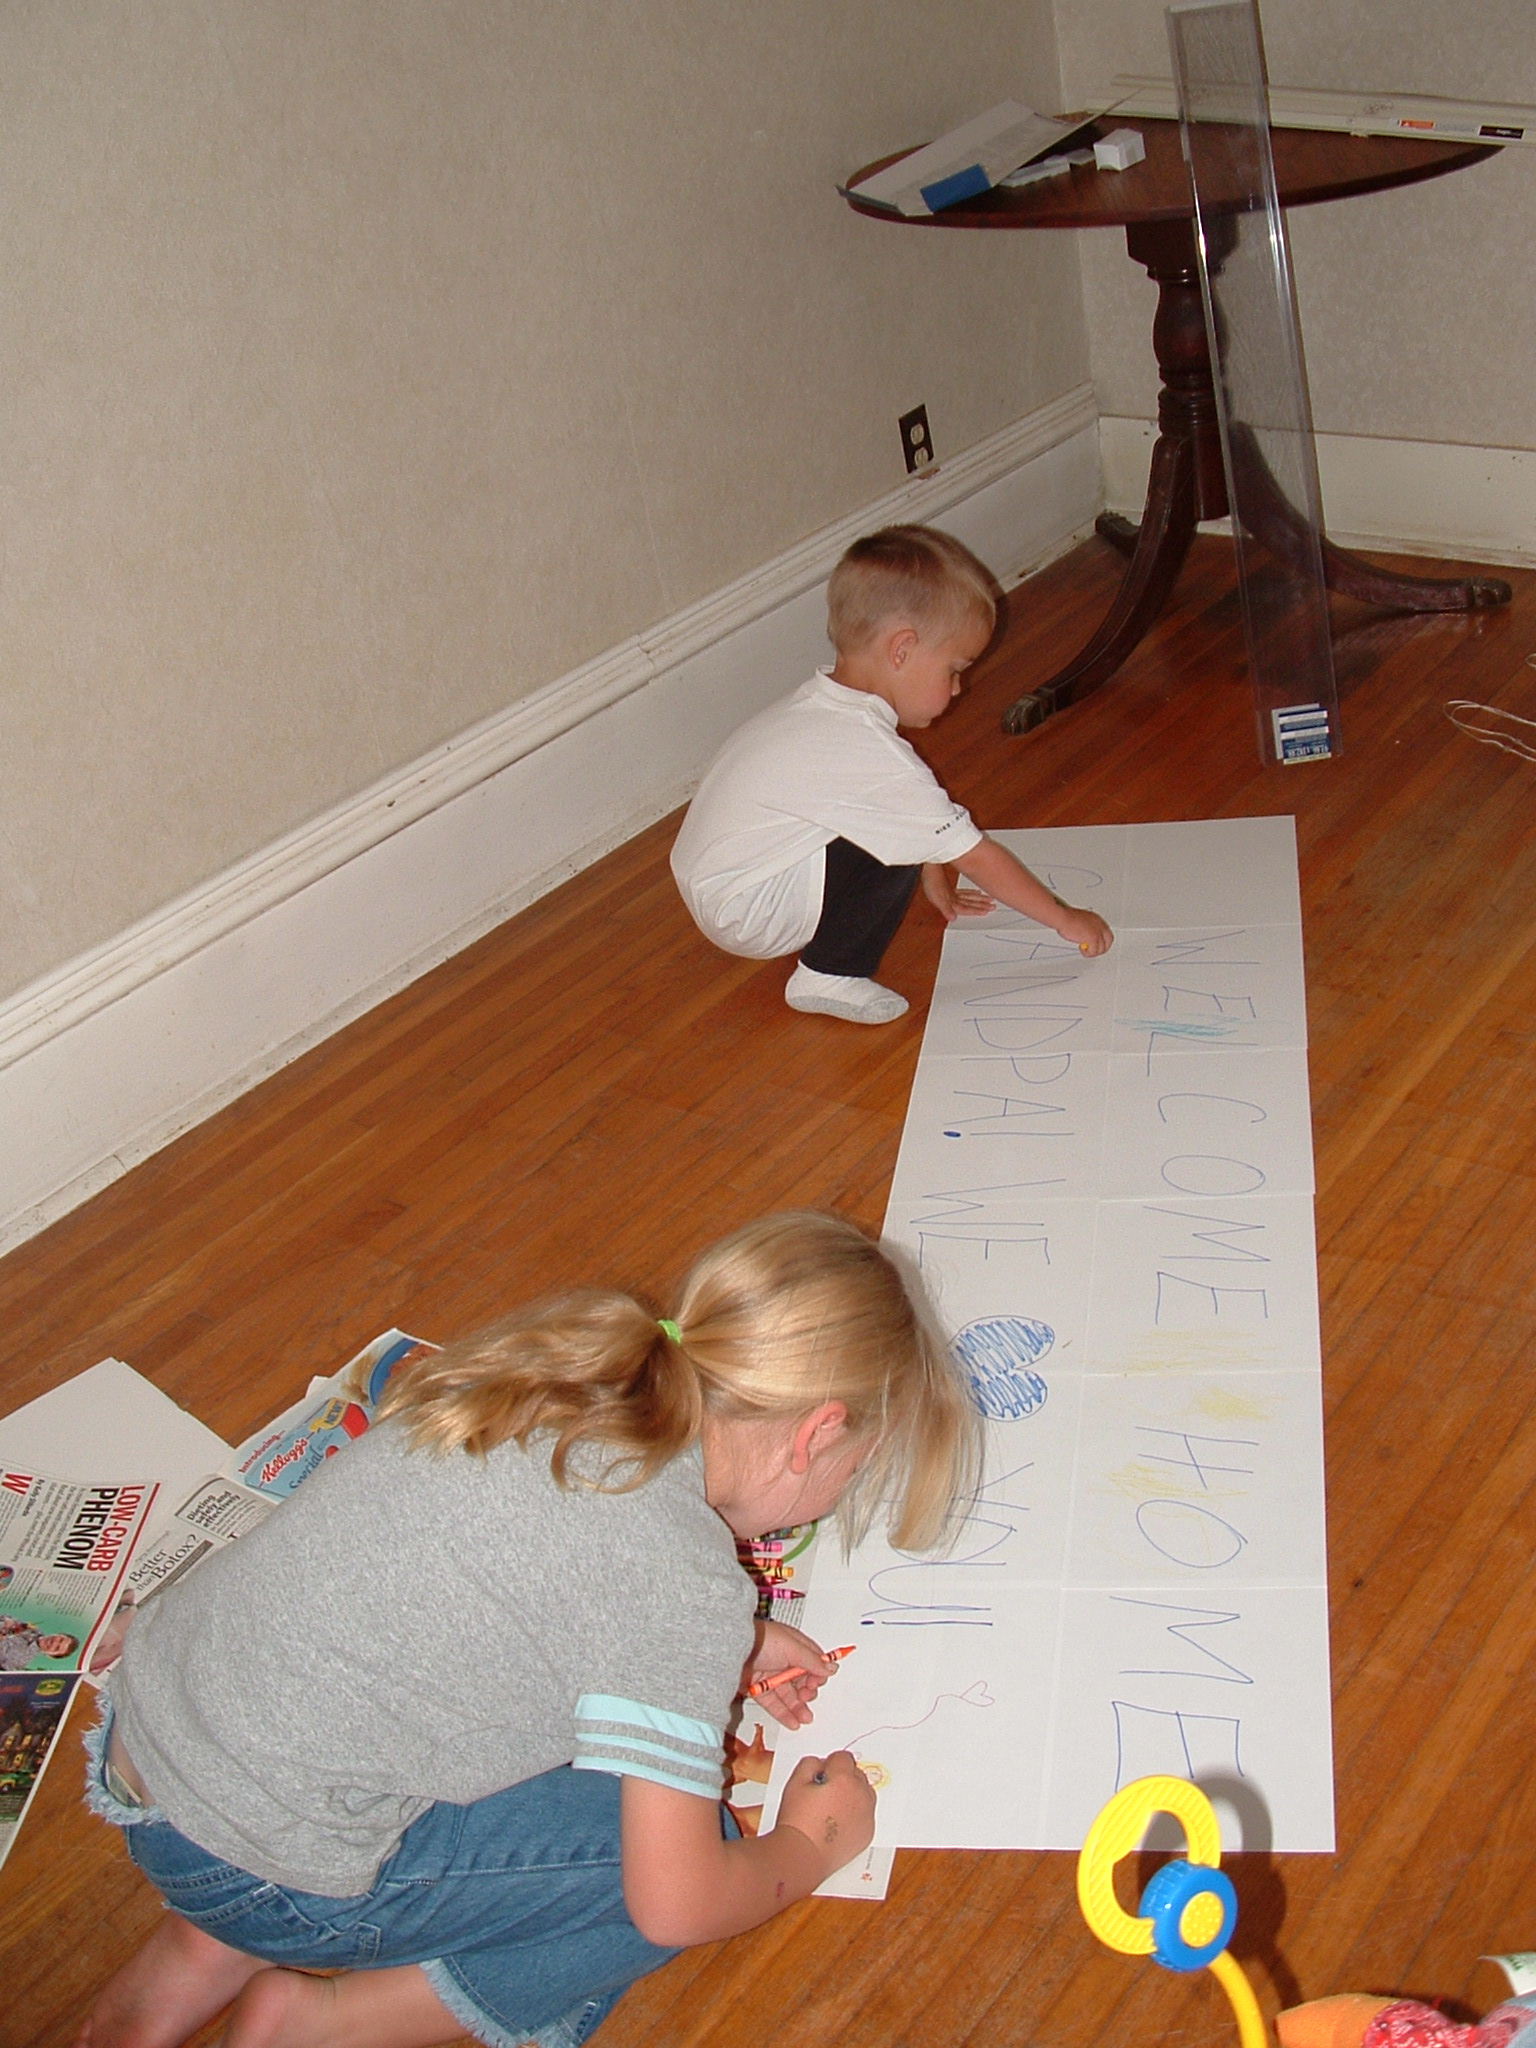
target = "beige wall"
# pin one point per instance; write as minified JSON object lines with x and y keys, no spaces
{"x":371,"y":363}
{"x":1418,"y":307}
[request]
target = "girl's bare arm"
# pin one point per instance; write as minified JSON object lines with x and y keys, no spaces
{"x":683,"y":1883}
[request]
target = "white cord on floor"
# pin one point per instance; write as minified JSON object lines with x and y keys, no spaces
{"x":1506,"y":741}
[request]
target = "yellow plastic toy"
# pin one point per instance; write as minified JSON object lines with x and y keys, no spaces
{"x":1189,"y":1909}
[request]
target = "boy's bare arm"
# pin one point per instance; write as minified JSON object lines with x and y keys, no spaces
{"x":950,"y":901}
{"x":993,"y":868}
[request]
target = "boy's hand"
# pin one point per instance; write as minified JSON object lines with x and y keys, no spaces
{"x":782,"y":1648}
{"x":1087,"y":931}
{"x":950,"y":896}
{"x":830,"y":1801}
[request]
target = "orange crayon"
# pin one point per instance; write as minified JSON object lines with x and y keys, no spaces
{"x":761,"y":1685}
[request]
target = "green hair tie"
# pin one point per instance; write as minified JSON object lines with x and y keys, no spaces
{"x":669,"y":1329}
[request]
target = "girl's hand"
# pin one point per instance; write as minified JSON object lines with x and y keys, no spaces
{"x":951,"y":897}
{"x":1086,"y":930}
{"x":782,"y":1648}
{"x":830,"y":1801}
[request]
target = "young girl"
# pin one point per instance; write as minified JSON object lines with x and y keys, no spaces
{"x":451,"y":1722}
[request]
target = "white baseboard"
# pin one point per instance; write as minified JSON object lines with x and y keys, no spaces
{"x":1400,"y":497}
{"x":113,"y":1055}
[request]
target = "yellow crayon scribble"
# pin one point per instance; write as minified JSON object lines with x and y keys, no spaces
{"x":1182,"y":1352}
{"x":1227,"y":1404}
{"x":1140,"y":1481}
{"x":1137,"y":1480}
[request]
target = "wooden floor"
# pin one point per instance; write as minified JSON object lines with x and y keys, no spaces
{"x":591,"y":1092}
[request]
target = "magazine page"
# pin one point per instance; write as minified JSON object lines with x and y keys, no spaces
{"x":33,"y":1705}
{"x":282,"y":1454}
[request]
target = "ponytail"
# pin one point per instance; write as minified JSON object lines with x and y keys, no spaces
{"x":790,"y":1312}
{"x":591,"y":1365}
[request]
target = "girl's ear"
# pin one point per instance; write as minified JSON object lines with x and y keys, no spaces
{"x":814,"y":1434}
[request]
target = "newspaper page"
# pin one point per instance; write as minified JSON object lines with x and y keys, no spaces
{"x":65,"y":1546}
{"x":64,"y":1549}
{"x":78,"y":1559}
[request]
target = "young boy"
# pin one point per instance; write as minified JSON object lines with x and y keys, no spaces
{"x":815,"y":821}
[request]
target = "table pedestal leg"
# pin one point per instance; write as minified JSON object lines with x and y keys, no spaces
{"x":1188,"y":484}
{"x":1352,"y":577}
{"x":1157,"y":549}
{"x":1275,"y":524}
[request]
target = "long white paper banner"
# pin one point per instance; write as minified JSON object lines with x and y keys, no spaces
{"x":1106,"y":1178}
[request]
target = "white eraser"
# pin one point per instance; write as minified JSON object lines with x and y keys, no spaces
{"x":1118,"y":151}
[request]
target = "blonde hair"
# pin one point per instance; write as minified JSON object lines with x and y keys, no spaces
{"x":791,"y":1311}
{"x":913,"y":573}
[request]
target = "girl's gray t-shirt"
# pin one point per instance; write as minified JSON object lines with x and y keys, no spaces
{"x":412,"y":1627}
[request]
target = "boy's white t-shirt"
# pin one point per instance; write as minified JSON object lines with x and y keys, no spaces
{"x":824,"y":763}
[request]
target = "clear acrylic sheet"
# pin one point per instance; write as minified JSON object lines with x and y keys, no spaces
{"x":1261,"y":386}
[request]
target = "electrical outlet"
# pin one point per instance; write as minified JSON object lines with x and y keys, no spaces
{"x":916,"y":440}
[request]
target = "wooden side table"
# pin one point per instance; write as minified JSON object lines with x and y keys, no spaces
{"x":1154,"y":203}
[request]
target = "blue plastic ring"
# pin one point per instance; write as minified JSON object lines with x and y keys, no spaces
{"x":1164,"y":1903}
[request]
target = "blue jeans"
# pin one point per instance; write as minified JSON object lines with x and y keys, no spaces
{"x":513,"y":1907}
